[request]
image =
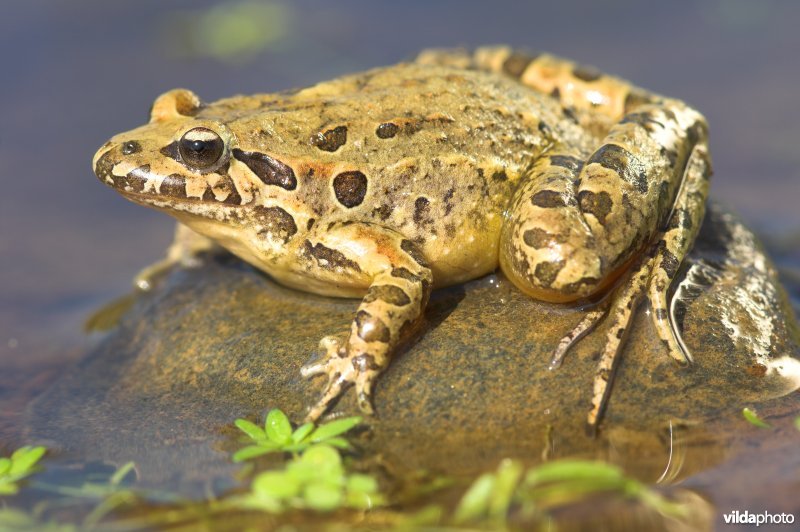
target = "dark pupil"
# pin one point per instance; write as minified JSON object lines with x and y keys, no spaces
{"x":201,"y":153}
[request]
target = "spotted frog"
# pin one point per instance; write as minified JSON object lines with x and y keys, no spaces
{"x":387,"y":184}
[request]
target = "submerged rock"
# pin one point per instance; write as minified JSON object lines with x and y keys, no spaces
{"x":222,"y":341}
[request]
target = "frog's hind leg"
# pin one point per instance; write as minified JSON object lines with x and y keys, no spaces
{"x":653,"y":275}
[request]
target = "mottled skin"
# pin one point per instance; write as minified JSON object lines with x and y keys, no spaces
{"x":385,"y":184}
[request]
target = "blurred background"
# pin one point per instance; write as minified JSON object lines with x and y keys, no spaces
{"x":75,"y":73}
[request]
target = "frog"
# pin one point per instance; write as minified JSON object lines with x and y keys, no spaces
{"x":585,"y":190}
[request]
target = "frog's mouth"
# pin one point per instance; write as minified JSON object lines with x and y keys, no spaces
{"x":143,"y":186}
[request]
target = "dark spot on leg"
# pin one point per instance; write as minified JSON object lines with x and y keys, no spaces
{"x":573,"y":164}
{"x":130,"y":147}
{"x":329,"y":259}
{"x":277,"y":222}
{"x":404,"y":273}
{"x":350,"y":188}
{"x":330,"y":140}
{"x":270,"y":171}
{"x":669,"y":263}
{"x":548,"y":199}
{"x":516,"y":63}
{"x":624,"y":163}
{"x":599,"y":205}
{"x":310,"y":224}
{"x":539,"y":238}
{"x":585,"y":73}
{"x":546,"y":272}
{"x":387,"y":130}
{"x":365,"y":363}
{"x":393,"y":295}
{"x":413,"y":251}
{"x":620,"y":332}
{"x":371,"y":329}
{"x":422,"y":208}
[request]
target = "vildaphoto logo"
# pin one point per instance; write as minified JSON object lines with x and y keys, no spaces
{"x":761,"y":518}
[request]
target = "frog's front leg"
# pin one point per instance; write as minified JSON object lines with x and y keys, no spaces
{"x":397,"y":281}
{"x":186,"y":245}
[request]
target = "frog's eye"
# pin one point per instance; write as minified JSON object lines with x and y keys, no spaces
{"x":201,"y":148}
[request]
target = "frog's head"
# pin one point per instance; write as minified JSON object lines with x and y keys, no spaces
{"x":175,"y":161}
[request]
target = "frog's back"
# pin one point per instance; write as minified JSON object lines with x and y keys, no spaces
{"x":433,"y":152}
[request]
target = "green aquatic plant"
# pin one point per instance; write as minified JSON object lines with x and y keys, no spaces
{"x":314,"y":480}
{"x":22,"y":463}
{"x":277,"y":435}
{"x":797,"y":422}
{"x":753,"y":418}
{"x":541,"y":489}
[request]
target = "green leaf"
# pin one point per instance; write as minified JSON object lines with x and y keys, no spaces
{"x":334,"y":428}
{"x":339,"y":443}
{"x":251,"y":451}
{"x":505,"y":484}
{"x":5,"y":465}
{"x":475,"y":501}
{"x":278,"y":428}
{"x":120,"y":474}
{"x":323,"y":497}
{"x":8,"y":488}
{"x":362,"y":484}
{"x":24,"y":458}
{"x":301,"y":432}
{"x":562,"y":470}
{"x":276,"y":485}
{"x":251,"y":429}
{"x":797,"y":423}
{"x":753,"y":418}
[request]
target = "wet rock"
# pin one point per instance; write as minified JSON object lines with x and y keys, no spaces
{"x":222,"y":341}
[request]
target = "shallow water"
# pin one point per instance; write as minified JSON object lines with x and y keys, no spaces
{"x":84,"y":70}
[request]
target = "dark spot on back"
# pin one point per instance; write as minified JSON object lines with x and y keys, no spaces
{"x":546,"y":272}
{"x":556,"y":93}
{"x":276,"y":221}
{"x":500,"y":176}
{"x":644,"y":120}
{"x":328,"y":258}
{"x":270,"y":171}
{"x":393,"y":295}
{"x":635,"y":99}
{"x":569,"y":113}
{"x":350,"y":188}
{"x":585,"y":73}
{"x":569,"y":162}
{"x":517,"y":62}
{"x":413,"y":251}
{"x":597,"y":204}
{"x":422,"y":207}
{"x":387,"y":130}
{"x":548,"y":199}
{"x":130,"y":147}
{"x":330,"y":140}
{"x":624,"y":163}
{"x":371,"y":328}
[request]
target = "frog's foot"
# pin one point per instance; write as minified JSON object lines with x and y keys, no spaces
{"x":342,"y":371}
{"x":184,"y":250}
